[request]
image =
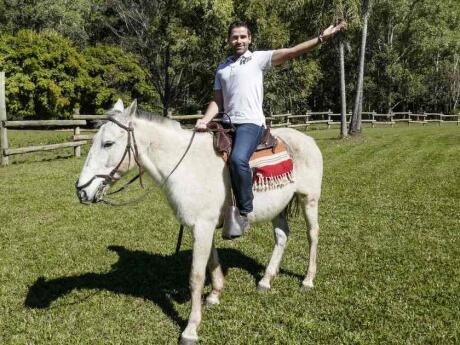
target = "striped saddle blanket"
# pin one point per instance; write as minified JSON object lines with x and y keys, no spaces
{"x":271,"y":168}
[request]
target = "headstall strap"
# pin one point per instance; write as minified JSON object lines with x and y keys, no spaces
{"x":130,"y":146}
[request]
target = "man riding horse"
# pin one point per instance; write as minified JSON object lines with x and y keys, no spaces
{"x":238,"y":87}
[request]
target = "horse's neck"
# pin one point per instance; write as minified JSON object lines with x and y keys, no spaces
{"x":160,"y":146}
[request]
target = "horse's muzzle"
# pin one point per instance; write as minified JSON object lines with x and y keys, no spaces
{"x":82,"y":196}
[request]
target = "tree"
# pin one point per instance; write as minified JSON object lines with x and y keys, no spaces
{"x":355,"y":123}
{"x":68,"y":17}
{"x":178,"y":41}
{"x":44,"y":74}
{"x":346,"y":12}
{"x":112,"y":74}
{"x":47,"y":77}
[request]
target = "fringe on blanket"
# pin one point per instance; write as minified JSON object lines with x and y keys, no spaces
{"x":262,"y":184}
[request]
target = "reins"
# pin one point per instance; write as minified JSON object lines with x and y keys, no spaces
{"x":142,"y":197}
{"x":134,"y":149}
{"x":131,"y":147}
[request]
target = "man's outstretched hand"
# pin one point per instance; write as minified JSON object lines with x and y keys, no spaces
{"x":332,"y":30}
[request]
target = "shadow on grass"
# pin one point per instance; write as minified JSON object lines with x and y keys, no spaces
{"x":153,"y":277}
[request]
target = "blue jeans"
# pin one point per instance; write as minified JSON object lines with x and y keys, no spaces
{"x":246,"y":138}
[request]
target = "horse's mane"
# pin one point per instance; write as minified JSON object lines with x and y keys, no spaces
{"x":145,"y":115}
{"x":163,"y":120}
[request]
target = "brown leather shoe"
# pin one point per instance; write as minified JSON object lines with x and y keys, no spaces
{"x":235,"y":224}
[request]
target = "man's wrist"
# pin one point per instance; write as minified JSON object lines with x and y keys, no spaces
{"x":202,"y":122}
{"x":320,"y":38}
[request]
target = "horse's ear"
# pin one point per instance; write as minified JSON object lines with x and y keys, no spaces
{"x":132,"y":109}
{"x":119,"y":107}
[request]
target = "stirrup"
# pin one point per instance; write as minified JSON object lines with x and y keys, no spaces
{"x":234,"y":224}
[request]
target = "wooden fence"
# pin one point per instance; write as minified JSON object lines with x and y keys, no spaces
{"x":328,"y":118}
{"x":306,"y":120}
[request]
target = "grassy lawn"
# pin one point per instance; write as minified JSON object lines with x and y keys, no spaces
{"x":388,"y":262}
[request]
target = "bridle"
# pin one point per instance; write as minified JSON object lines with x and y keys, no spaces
{"x":131,"y":148}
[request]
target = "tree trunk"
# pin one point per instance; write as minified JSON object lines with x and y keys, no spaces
{"x":343,"y":99}
{"x":355,"y":123}
{"x":167,"y":85}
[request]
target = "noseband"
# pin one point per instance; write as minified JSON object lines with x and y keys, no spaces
{"x":131,"y":149}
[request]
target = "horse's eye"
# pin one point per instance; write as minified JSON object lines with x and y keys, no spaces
{"x":107,"y":144}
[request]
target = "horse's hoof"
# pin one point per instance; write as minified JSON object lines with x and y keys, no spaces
{"x":263,"y":288}
{"x":188,"y":340}
{"x":212,"y":300}
{"x":306,"y":286}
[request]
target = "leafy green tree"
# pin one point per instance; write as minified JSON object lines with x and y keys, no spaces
{"x":47,"y":77}
{"x":113,"y":73}
{"x":69,"y":18}
{"x":44,"y":74}
{"x":179,"y":43}
{"x":413,"y":49}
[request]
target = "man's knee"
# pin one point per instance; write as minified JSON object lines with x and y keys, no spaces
{"x":238,"y":161}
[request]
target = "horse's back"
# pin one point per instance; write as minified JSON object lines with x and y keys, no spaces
{"x":308,"y":160}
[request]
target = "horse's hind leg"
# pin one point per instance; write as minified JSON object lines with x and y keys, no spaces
{"x":281,"y":230}
{"x":217,"y":277}
{"x":311,"y":216}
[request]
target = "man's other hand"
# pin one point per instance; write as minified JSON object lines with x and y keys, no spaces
{"x":201,"y":126}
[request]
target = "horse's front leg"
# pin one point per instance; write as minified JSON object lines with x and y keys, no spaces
{"x":202,"y":242}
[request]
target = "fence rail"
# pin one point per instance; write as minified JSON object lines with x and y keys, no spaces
{"x":327,"y":118}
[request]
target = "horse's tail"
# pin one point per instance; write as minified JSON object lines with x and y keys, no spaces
{"x":293,"y":207}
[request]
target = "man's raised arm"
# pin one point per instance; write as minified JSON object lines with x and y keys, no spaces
{"x":282,"y":55}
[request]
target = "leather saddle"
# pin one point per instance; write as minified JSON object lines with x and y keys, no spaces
{"x":223,"y":139}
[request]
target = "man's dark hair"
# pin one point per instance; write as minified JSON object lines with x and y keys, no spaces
{"x":238,"y":24}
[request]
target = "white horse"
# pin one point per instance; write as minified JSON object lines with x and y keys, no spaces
{"x":199,"y":191}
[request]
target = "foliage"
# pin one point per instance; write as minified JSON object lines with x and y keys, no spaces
{"x":114,"y":73}
{"x":47,"y":77}
{"x":178,"y":42}
{"x":413,"y":46}
{"x":69,"y":18}
{"x":44,"y":74}
{"x":412,"y":59}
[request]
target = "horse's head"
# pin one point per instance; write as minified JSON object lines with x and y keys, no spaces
{"x":111,"y":155}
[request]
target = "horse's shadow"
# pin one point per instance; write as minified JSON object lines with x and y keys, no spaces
{"x":157,"y":278}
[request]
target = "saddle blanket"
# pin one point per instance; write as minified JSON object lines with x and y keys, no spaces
{"x":271,"y":168}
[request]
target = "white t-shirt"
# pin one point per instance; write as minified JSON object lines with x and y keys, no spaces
{"x":241,"y":82}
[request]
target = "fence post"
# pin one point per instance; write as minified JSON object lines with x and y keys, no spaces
{"x":76,"y":131}
{"x":3,"y":129}
{"x":392,"y":117}
{"x":329,"y":118}
{"x":373,"y":119}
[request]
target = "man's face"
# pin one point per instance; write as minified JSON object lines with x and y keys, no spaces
{"x":239,"y":40}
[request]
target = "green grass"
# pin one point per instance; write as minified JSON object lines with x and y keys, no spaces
{"x":388,"y":265}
